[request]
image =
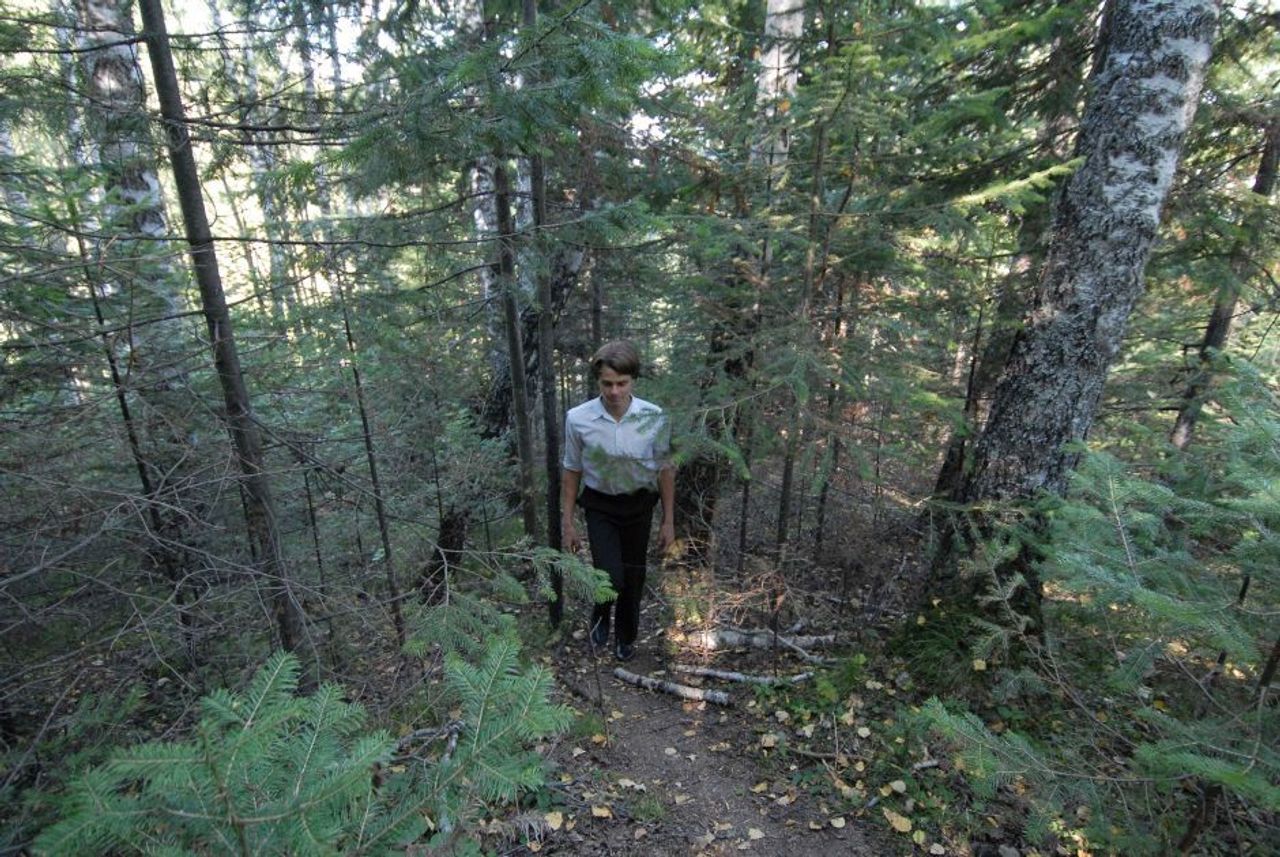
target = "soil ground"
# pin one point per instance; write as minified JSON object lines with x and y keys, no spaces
{"x":653,"y":774}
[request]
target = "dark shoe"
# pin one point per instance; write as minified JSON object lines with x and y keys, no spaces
{"x":599,"y":634}
{"x":624,"y":651}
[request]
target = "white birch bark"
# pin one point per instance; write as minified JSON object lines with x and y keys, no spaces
{"x":1105,"y":220}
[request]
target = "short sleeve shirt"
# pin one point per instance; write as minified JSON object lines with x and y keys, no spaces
{"x":617,"y":456}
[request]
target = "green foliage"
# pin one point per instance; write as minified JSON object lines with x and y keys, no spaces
{"x":270,"y":770}
{"x":1151,"y":640}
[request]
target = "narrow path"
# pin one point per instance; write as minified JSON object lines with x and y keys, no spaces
{"x":666,"y":776}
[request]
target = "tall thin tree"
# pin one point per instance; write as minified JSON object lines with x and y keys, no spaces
{"x":261,"y":520}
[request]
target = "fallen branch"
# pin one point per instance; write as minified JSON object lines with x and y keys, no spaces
{"x":725,"y":675}
{"x":727,"y":638}
{"x":683,"y":691}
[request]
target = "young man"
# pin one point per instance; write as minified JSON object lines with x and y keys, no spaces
{"x":617,"y":447}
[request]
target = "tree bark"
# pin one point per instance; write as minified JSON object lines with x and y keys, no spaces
{"x":1105,"y":220}
{"x":1224,"y":305}
{"x":515,"y":347}
{"x":260,"y":508}
{"x":546,"y":357}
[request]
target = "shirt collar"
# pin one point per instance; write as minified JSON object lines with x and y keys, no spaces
{"x":603,"y":413}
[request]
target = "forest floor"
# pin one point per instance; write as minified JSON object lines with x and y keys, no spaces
{"x":646,"y":772}
{"x":670,"y":776}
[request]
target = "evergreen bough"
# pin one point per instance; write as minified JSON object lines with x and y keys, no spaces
{"x":270,"y":771}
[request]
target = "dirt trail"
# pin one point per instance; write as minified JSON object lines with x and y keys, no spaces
{"x":681,"y":777}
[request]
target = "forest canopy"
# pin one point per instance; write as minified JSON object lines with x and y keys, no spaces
{"x":962,"y":314}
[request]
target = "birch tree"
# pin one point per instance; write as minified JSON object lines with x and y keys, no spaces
{"x":1105,"y":219}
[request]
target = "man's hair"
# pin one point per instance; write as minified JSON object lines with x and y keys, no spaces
{"x":620,"y":355}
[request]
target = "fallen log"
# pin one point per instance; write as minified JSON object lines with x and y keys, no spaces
{"x":728,"y":638}
{"x":719,"y":697}
{"x":726,"y":675}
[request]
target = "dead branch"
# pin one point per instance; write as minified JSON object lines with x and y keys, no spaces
{"x":683,"y":691}
{"x":725,"y":675}
{"x":730,"y":638}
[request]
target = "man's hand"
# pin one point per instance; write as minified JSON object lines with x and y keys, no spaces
{"x":666,"y":537}
{"x":569,"y":540}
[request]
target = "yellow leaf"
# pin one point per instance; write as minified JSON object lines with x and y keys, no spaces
{"x":918,"y":837}
{"x":397,"y":769}
{"x":837,"y":822}
{"x":601,"y":812}
{"x":815,"y":825}
{"x":979,"y":665}
{"x":920,"y":620}
{"x":681,"y":800}
{"x":900,"y":823}
{"x":598,"y":738}
{"x":760,"y":787}
{"x":898,"y":786}
{"x":616,"y":715}
{"x":555,"y":820}
{"x":864,"y":732}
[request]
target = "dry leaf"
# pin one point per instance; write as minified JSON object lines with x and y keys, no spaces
{"x":864,"y":732}
{"x":601,"y":812}
{"x":598,"y":738}
{"x":979,"y":665}
{"x":616,"y":715}
{"x":815,"y":825}
{"x":768,"y":740}
{"x":898,"y":786}
{"x":720,"y":748}
{"x":534,"y":845}
{"x":936,"y":848}
{"x":755,"y":833}
{"x":900,"y":823}
{"x":837,"y":822}
{"x":781,"y":716}
{"x":760,"y":787}
{"x":578,"y":751}
{"x":555,"y":820}
{"x":689,"y":733}
{"x":640,"y":833}
{"x":670,"y":751}
{"x":682,"y":799}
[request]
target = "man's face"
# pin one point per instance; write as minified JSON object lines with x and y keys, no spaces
{"x":615,"y":389}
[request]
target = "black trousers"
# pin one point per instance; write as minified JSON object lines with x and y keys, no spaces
{"x":618,"y":530}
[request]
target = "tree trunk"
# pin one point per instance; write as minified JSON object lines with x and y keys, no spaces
{"x":1224,"y":305}
{"x":379,"y":507}
{"x":1063,"y":85}
{"x":515,"y":347}
{"x":546,"y":357}
{"x":260,"y":508}
{"x":1105,"y":219}
{"x":730,"y":351}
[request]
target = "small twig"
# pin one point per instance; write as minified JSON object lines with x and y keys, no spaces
{"x":725,"y":675}
{"x":683,"y":691}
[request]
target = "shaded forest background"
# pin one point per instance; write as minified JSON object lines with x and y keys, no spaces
{"x":326,"y":420}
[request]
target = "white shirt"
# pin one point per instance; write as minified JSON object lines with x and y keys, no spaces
{"x":617,"y":456}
